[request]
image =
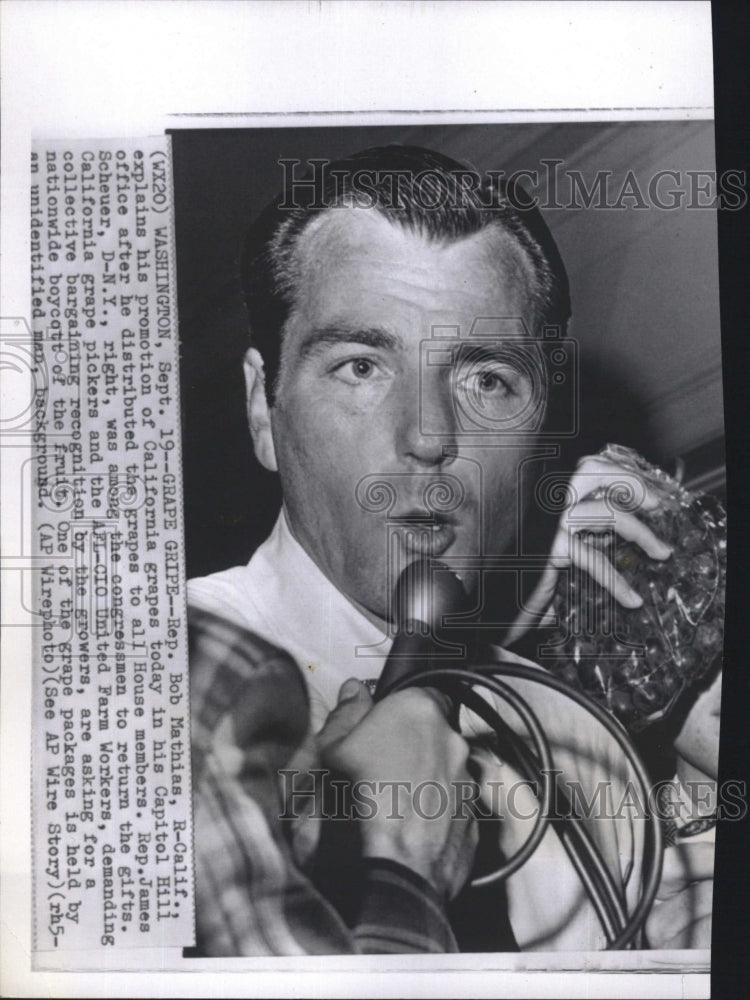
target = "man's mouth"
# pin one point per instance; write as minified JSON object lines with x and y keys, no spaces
{"x":425,"y":534}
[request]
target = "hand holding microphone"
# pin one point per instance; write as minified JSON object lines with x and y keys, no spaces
{"x":403,"y":750}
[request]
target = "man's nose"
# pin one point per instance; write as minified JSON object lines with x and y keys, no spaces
{"x":427,"y":427}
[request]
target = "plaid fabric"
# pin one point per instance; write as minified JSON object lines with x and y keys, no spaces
{"x":250,"y":716}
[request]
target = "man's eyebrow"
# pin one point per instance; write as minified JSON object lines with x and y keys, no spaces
{"x":373,"y":336}
{"x":508,"y":349}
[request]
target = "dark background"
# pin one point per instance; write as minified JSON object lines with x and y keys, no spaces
{"x":730,"y":970}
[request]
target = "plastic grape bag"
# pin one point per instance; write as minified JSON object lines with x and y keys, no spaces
{"x":636,"y":663}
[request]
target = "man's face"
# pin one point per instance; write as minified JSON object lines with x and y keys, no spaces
{"x":357,"y":403}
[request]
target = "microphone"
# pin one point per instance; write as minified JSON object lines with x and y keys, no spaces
{"x":426,"y":591}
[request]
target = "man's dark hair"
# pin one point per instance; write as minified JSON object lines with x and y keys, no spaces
{"x":423,"y":191}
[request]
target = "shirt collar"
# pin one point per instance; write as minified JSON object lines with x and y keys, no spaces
{"x":326,"y":633}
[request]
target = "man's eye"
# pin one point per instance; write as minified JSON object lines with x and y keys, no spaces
{"x":362,"y":368}
{"x":489,"y":381}
{"x":355,"y":370}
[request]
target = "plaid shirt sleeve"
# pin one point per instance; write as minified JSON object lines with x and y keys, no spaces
{"x":250,"y":713}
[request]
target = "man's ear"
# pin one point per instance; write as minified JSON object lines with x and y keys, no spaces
{"x":258,"y":415}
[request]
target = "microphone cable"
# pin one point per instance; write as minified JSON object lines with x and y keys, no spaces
{"x":620,"y":930}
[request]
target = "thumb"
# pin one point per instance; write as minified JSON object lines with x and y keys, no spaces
{"x":354,"y":703}
{"x":353,"y":689}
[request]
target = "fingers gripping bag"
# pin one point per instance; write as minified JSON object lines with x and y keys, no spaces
{"x":637,"y":662}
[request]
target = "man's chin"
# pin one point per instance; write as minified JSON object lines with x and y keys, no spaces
{"x":373,"y":610}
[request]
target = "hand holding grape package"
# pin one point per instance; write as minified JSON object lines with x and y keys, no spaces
{"x":637,"y":662}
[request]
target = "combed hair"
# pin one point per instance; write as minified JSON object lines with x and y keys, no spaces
{"x":423,"y":191}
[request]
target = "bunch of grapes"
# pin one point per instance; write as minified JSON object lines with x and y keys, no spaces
{"x":636,"y":663}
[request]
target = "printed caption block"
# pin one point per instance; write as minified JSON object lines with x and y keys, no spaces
{"x":111,"y":743}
